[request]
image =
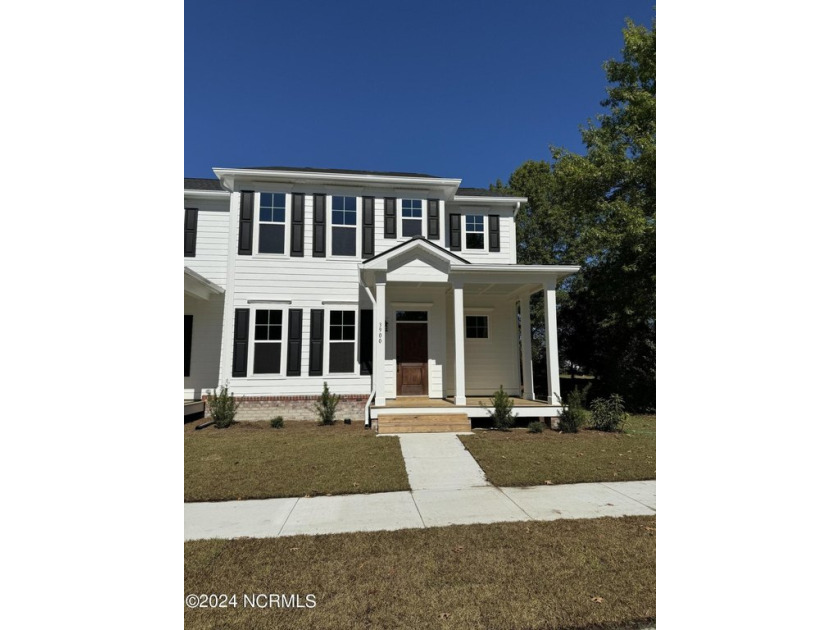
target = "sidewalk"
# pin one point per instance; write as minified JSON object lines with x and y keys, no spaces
{"x":448,"y":488}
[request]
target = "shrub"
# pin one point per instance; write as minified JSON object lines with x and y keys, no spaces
{"x":326,"y":405}
{"x":277,"y":422}
{"x":502,"y":414}
{"x":574,"y":416}
{"x":608,"y":413}
{"x":535,"y":427}
{"x":223,"y":407}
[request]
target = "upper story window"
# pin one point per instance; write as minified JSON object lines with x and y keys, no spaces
{"x":412,"y":217}
{"x":344,"y":217}
{"x":272,"y":223}
{"x":342,"y":342}
{"x":268,"y":341}
{"x":475,"y":231}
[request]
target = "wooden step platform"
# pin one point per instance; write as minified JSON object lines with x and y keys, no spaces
{"x":424,"y":423}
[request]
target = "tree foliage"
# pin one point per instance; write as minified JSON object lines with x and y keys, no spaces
{"x":599,"y":210}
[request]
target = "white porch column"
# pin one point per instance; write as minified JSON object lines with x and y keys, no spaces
{"x":525,"y":347}
{"x":552,"y":360}
{"x":460,"y":374}
{"x":379,"y":343}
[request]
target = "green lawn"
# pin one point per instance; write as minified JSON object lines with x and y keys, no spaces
{"x":519,"y":458}
{"x":511,"y":576}
{"x":250,"y":460}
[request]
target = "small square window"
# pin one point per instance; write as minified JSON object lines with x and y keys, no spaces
{"x":477,"y":327}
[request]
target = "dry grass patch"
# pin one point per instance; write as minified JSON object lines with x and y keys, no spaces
{"x":250,"y":460}
{"x":518,"y":458}
{"x":512,"y":576}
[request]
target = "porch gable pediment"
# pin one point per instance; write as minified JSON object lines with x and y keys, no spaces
{"x":417,"y":260}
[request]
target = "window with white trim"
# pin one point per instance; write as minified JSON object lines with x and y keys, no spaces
{"x":474,"y":229}
{"x":344,"y":218}
{"x":272,"y":223}
{"x":477,"y":327}
{"x":412,"y":217}
{"x":268,"y":341}
{"x":342,"y":342}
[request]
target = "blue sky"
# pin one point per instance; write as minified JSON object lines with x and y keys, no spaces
{"x":457,"y":89}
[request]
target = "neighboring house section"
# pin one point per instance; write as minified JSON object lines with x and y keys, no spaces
{"x":397,"y":285}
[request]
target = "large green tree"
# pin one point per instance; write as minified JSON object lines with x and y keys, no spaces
{"x":599,"y":210}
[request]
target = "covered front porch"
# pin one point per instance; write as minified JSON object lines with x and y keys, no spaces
{"x":447,"y":333}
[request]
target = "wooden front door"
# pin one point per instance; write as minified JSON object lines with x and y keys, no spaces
{"x":412,"y":359}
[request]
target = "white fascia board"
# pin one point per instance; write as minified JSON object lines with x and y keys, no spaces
{"x":524,"y":274}
{"x":206,"y":194}
{"x":228,"y":177}
{"x":199,"y":286}
{"x":490,"y":201}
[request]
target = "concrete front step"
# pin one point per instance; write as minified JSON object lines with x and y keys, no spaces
{"x":424,"y":423}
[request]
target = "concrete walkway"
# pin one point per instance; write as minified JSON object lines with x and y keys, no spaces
{"x":447,"y":488}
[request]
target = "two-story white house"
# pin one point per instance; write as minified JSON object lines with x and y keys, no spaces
{"x":400,"y":290}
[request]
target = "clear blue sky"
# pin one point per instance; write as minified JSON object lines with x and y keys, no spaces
{"x":461,"y":89}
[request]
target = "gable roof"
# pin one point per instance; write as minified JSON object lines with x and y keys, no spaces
{"x":482,"y":192}
{"x":344,"y":171}
{"x":415,"y":240}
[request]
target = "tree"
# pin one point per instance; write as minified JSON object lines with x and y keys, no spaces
{"x":599,"y":210}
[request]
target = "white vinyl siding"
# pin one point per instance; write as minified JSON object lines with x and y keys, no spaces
{"x":206,"y":344}
{"x":211,"y":243}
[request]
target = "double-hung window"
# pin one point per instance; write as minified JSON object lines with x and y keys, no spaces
{"x":272,"y":223}
{"x":342,"y":342}
{"x":412,"y":217}
{"x":474,"y":229}
{"x":268,"y":341}
{"x":344,"y":226}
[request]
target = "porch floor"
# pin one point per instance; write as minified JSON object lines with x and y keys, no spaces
{"x":425,"y":402}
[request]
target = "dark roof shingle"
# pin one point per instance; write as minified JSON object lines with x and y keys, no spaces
{"x":197,"y":183}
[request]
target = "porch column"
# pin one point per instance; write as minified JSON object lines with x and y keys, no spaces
{"x":552,"y":360}
{"x":460,"y":378}
{"x":379,"y":343}
{"x":525,"y":347}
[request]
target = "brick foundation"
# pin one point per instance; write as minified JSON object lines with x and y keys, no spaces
{"x":253,"y":408}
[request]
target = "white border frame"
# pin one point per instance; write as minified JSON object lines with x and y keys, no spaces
{"x":287,"y":223}
{"x":284,"y":340}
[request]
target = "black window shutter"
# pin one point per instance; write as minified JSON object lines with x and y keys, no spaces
{"x":319,"y":226}
{"x":190,"y":230}
{"x":240,"y":342}
{"x":433,"y":227}
{"x":246,"y":222}
{"x":390,"y":217}
{"x":455,"y":232}
{"x":297,"y":225}
{"x":295,"y":341}
{"x":316,"y":342}
{"x":494,"y":233}
{"x":368,"y":248}
{"x":188,"y":319}
{"x":366,"y":341}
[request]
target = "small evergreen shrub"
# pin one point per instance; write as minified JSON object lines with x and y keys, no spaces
{"x":277,"y":422}
{"x":502,"y":414}
{"x":573,"y":417}
{"x":223,"y":407}
{"x":608,"y":413}
{"x":326,"y":406}
{"x":535,"y":427}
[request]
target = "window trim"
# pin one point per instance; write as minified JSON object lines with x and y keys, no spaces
{"x":252,"y":339}
{"x":423,"y":218}
{"x":478,"y":313}
{"x":485,"y":232}
{"x":329,"y":245}
{"x":328,"y":310}
{"x":287,"y":223}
